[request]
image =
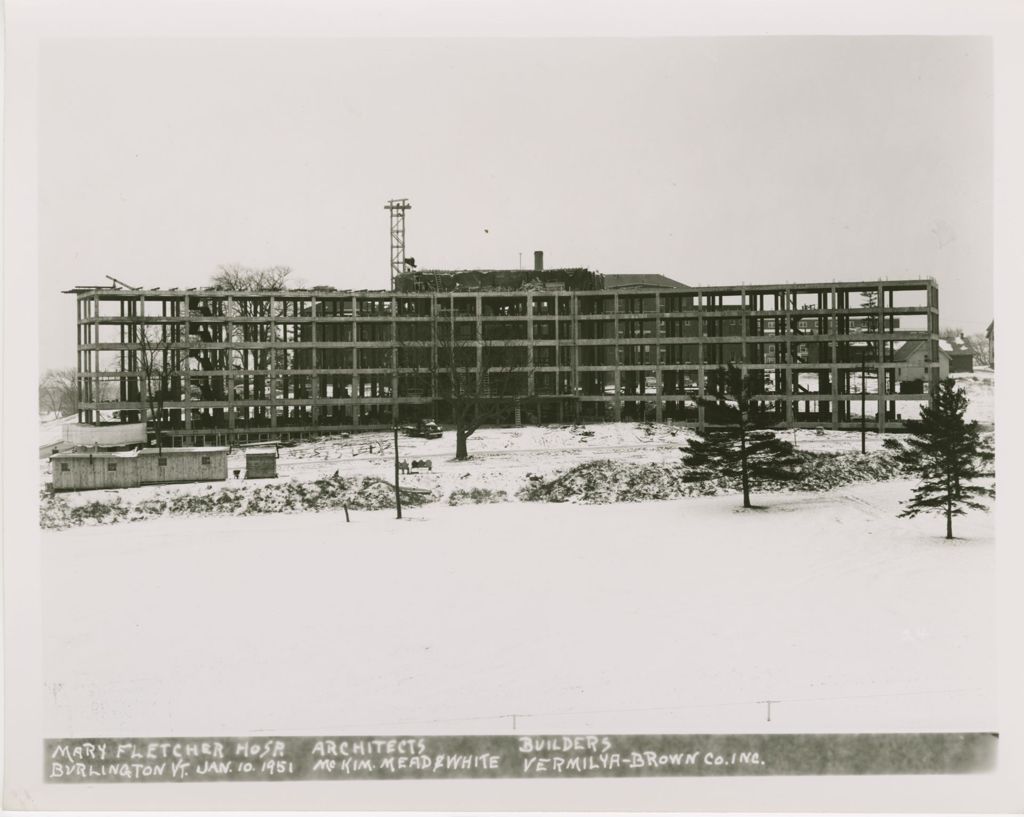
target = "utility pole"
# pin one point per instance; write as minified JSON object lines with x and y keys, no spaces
{"x":398,"y":495}
{"x":397,"y":208}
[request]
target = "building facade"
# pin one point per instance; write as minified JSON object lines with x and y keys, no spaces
{"x":218,"y":367}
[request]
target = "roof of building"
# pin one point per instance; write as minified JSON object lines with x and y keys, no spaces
{"x":905,"y":349}
{"x":480,"y":280}
{"x":72,"y":455}
{"x":197,"y":449}
{"x":527,"y":271}
{"x":957,"y":346}
{"x":135,"y":452}
{"x":534,"y":280}
{"x":642,"y":281}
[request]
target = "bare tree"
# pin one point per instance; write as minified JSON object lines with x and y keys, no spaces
{"x":478,"y":380}
{"x":58,"y":392}
{"x":236,"y":278}
{"x":159,"y":372}
{"x":250,"y":341}
{"x":979,"y":346}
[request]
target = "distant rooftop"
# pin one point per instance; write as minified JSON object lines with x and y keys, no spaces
{"x":571,"y":278}
{"x":642,"y":281}
{"x":497,"y":279}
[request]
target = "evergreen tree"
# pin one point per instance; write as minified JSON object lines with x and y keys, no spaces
{"x":737,"y":445}
{"x":947,"y":454}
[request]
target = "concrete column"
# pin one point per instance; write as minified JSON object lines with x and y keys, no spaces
{"x":354,"y":400}
{"x":659,"y":404}
{"x":834,"y":346}
{"x":314,"y":364}
{"x":787,"y":350}
{"x":700,"y":362}
{"x":558,"y":356}
{"x":700,"y":398}
{"x":880,"y":398}
{"x":182,"y":359}
{"x":574,"y":355}
{"x":394,"y":360}
{"x":479,"y":335}
{"x":616,"y":353}
{"x":529,"y":338}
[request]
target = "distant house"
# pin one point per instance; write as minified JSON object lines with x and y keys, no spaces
{"x":961,"y":358}
{"x":914,"y":357}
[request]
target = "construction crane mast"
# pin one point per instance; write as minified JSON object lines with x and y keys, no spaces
{"x":398,"y":260}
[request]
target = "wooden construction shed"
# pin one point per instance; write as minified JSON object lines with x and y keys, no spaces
{"x":206,"y":464}
{"x":93,"y":470}
{"x":261,"y":463}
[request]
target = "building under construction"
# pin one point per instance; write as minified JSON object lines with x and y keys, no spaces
{"x":209,"y":367}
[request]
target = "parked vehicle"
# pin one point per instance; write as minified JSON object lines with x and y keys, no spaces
{"x":424,"y":428}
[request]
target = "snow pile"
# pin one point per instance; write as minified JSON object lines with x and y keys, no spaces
{"x":328,"y":493}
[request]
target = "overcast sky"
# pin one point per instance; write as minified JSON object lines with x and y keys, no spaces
{"x":713,"y":161}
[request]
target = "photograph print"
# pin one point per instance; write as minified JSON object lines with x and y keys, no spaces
{"x":483,"y":409}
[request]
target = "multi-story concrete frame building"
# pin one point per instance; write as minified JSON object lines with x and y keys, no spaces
{"x":246,"y":366}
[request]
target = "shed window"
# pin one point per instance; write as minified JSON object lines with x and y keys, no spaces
{"x":65,"y":467}
{"x":111,"y":466}
{"x":206,"y":460}
{"x":161,"y":460}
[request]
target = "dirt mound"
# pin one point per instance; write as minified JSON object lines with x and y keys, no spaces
{"x":476,"y":496}
{"x":604,"y":481}
{"x":822,"y":472}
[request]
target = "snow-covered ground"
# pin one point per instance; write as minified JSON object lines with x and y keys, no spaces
{"x":501,"y":459}
{"x":979,"y":386}
{"x":675,"y":616}
{"x":51,"y":427}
